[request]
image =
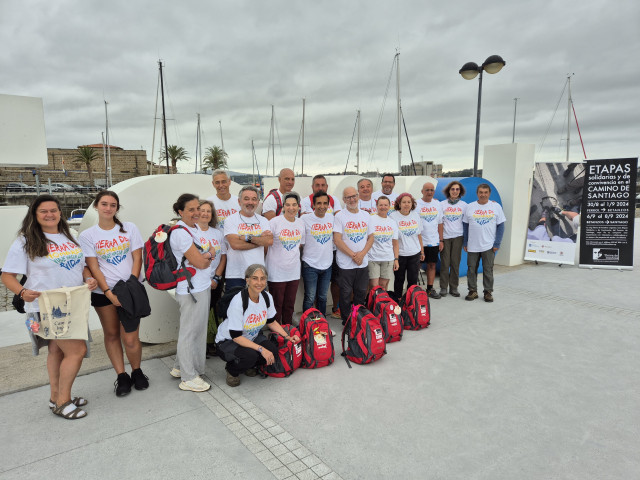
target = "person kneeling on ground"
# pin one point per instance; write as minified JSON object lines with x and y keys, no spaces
{"x":240,"y":341}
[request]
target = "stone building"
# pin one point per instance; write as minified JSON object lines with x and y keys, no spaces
{"x":430,"y":169}
{"x":62,"y":168}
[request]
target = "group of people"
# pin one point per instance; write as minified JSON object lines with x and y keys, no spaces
{"x":345,"y":245}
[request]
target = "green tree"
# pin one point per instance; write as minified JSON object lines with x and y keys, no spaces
{"x":175,"y":153}
{"x":85,"y":156}
{"x":215,"y":158}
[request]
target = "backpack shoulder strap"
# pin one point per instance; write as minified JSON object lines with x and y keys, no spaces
{"x":266,"y":298}
{"x":245,"y":299}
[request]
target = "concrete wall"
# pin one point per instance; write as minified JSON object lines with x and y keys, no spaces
{"x":510,"y":168}
{"x":10,"y":219}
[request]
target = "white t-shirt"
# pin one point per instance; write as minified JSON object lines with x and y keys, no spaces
{"x":318,"y":241}
{"x":354,"y":228}
{"x":368,"y":206}
{"x":250,"y":322}
{"x":410,"y":229}
{"x":483,"y":221}
{"x":224,"y":209}
{"x":181,"y":241}
{"x":270,"y":205}
{"x":392,"y":197}
{"x":239,"y":260}
{"x":384,"y":231}
{"x":431,"y":215}
{"x":283,"y":257}
{"x":306,"y":207}
{"x":217,"y":247}
{"x":62,"y":267}
{"x":113,"y":249}
{"x":452,"y":218}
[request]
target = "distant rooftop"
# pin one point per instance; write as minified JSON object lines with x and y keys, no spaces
{"x":100,"y":145}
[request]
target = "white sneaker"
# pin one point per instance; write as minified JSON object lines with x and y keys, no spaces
{"x":194,"y":385}
{"x":175,"y":372}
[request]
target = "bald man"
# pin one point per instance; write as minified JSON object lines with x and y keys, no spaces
{"x":431,"y":214}
{"x":272,"y":206}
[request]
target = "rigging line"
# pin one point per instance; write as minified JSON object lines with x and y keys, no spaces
{"x":579,"y":134}
{"x":269,"y":147}
{"x":155,"y":121}
{"x":297,"y":146}
{"x":351,"y":145}
{"x":409,"y":144}
{"x":553,"y":116}
{"x":275,"y":123}
{"x":379,"y":121}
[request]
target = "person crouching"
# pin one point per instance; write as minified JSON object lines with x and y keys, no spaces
{"x":240,"y":341}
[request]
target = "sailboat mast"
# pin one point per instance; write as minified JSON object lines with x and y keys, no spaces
{"x":358,"y":149}
{"x":197,"y":143}
{"x":106,"y":165}
{"x":273,"y":144}
{"x":221,"y":139}
{"x":569,"y":117}
{"x":253,"y":164}
{"x":109,"y":179}
{"x":399,"y":112}
{"x":303,"y":102}
{"x":164,"y":118}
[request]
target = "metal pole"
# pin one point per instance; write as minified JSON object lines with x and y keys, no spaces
{"x":221,"y":139}
{"x":164,"y":119}
{"x":515,"y":107}
{"x":106,"y":167}
{"x":569,"y":117}
{"x":303,"y":102}
{"x":475,"y":156}
{"x":197,"y":141}
{"x":273,"y":144}
{"x":109,"y":178}
{"x":253,"y":164}
{"x":399,"y":113}
{"x":358,"y":150}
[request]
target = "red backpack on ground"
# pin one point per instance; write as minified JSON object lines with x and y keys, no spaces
{"x":365,"y":338}
{"x":387,"y":311}
{"x":161,"y":269}
{"x":317,"y":343}
{"x":416,"y":311}
{"x":289,"y":356}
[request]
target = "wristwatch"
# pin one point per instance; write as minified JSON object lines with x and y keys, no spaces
{"x":247,"y":238}
{"x":260,"y":350}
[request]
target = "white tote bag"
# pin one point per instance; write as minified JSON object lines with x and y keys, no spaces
{"x":64,"y":313}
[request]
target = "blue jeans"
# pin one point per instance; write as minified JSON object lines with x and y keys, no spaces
{"x":235,"y":282}
{"x":316,"y":285}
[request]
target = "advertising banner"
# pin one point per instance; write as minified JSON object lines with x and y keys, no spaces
{"x":608,"y":208}
{"x":554,"y":215}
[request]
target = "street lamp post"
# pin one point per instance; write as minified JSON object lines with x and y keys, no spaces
{"x":469,"y":71}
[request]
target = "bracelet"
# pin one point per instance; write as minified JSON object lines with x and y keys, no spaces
{"x":88,"y":278}
{"x":107,"y":290}
{"x":21,"y":292}
{"x":217,"y":278}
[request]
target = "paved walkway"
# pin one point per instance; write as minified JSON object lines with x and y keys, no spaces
{"x":542,"y":384}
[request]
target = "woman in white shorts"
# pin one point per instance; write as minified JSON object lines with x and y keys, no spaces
{"x":383,"y":256}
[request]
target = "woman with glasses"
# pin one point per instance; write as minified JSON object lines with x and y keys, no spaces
{"x":452,"y":211}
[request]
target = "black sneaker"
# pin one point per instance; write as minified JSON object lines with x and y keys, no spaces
{"x":139,"y":379}
{"x":122,"y":385}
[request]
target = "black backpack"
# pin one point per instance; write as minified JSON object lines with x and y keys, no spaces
{"x":223,"y":304}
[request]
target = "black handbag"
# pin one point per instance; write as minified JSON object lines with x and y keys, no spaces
{"x":17,"y":302}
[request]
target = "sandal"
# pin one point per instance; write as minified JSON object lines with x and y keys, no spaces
{"x":77,"y":401}
{"x":74,"y":414}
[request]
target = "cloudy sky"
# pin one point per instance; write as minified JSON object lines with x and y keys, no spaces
{"x":230,"y":61}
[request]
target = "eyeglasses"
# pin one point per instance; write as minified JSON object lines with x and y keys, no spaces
{"x":351,"y":197}
{"x":454,"y":188}
{"x":429,"y":190}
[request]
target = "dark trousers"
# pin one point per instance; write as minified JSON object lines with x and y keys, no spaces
{"x":214,"y":320}
{"x":487,"y":270}
{"x":284,"y":299}
{"x":450,"y":263}
{"x":352,"y":281}
{"x":409,"y":267}
{"x":240,"y":359}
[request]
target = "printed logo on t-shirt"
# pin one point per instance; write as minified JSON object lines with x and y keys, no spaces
{"x":429,"y":214}
{"x":290,"y":238}
{"x":113,"y":251}
{"x":383,"y":233}
{"x":67,"y":255}
{"x":369,"y":206}
{"x":253,"y":229}
{"x":322,"y":232}
{"x":223,"y":213}
{"x":254,"y":323}
{"x":204,"y":244}
{"x":482,"y":217}
{"x":215,"y":247}
{"x":408,"y":227}
{"x":452,"y":214}
{"x":355,"y":231}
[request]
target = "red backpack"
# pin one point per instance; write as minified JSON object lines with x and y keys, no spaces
{"x":289,"y":356}
{"x":416,"y":311}
{"x":365,"y":338}
{"x":388,"y":312}
{"x":317,"y":342}
{"x":161,"y":269}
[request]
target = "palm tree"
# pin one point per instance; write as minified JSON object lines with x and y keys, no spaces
{"x":215,"y":158}
{"x":85,"y":156}
{"x":175,"y":153}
